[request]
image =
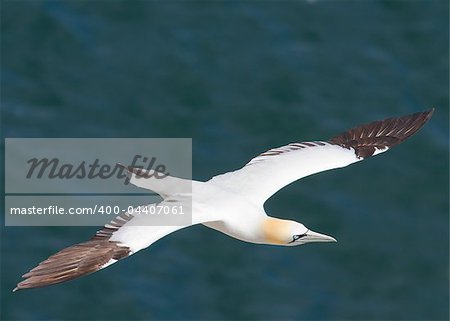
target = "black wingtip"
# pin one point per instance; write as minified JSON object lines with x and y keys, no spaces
{"x":73,"y":262}
{"x":382,"y":134}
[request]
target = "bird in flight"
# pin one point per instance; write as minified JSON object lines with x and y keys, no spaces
{"x":231,"y":203}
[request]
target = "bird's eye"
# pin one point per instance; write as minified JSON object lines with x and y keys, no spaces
{"x":297,"y":237}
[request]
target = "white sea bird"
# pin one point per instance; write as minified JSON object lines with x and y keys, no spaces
{"x":232,"y":203}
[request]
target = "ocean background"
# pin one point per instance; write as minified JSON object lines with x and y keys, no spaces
{"x":239,"y":77}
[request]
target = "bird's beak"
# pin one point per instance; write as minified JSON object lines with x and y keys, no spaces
{"x":312,"y":236}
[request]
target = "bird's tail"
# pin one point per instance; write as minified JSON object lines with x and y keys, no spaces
{"x":157,"y":182}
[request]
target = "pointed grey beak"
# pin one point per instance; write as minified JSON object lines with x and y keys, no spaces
{"x":312,"y":236}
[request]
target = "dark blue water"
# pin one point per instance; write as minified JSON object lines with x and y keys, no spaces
{"x":239,"y":78}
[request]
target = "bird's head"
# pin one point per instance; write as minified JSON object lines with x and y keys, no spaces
{"x":290,"y":233}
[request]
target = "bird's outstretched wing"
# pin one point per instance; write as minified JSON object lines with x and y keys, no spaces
{"x":267,"y":173}
{"x":122,"y":237}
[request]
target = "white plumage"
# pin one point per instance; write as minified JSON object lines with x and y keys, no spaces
{"x":232,"y":203}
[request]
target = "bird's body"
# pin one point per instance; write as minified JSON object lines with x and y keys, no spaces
{"x":231,"y":203}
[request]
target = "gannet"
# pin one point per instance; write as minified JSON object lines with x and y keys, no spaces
{"x":231,"y":203}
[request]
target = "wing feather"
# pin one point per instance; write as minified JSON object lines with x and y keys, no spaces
{"x":123,"y":236}
{"x":267,"y":173}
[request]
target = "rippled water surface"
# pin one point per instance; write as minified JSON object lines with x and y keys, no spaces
{"x":240,"y":77}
